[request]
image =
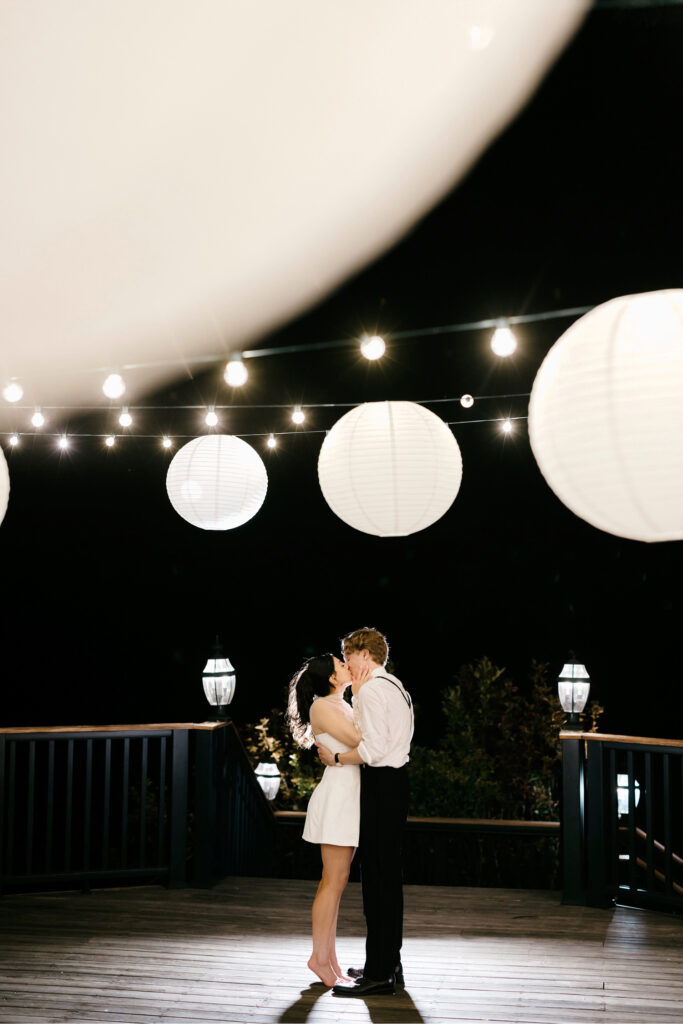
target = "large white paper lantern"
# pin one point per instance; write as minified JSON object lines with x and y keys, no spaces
{"x":4,"y":486}
{"x":606,"y":416}
{"x":390,"y":468}
{"x":217,"y":482}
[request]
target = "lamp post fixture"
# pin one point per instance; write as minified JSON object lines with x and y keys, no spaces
{"x":268,"y":775}
{"x":218,"y":679}
{"x":573,"y":687}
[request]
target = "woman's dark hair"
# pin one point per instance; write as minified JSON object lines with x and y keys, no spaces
{"x":312,"y":680}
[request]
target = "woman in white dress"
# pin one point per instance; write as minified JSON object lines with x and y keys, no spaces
{"x":317,"y":711}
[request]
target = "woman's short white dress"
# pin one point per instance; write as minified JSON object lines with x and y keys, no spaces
{"x":333,"y":814}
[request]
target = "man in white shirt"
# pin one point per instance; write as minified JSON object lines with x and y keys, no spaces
{"x":384,"y":715}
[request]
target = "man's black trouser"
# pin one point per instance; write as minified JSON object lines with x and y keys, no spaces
{"x":383,"y":812}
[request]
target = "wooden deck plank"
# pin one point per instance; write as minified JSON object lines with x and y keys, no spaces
{"x":237,"y":954}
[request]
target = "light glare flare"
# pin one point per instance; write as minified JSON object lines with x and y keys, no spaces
{"x":63,"y":442}
{"x":14,"y":440}
{"x":298,"y":416}
{"x":166,"y":442}
{"x":38,"y":420}
{"x":236,"y":373}
{"x":271,"y":442}
{"x":114,"y":385}
{"x":13,"y":392}
{"x":506,"y":426}
{"x":467,"y":401}
{"x":110,"y":441}
{"x":211,"y":419}
{"x":372,"y":346}
{"x":503,"y":341}
{"x":125,"y":419}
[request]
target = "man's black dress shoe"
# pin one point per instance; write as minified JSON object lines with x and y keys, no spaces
{"x":365,"y":987}
{"x":357,"y":973}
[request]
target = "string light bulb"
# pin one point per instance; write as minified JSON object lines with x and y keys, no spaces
{"x":298,"y":416}
{"x":467,"y":401}
{"x":506,"y":426}
{"x":14,"y":440}
{"x":166,"y":442}
{"x":63,"y":441}
{"x":211,"y":419}
{"x":13,"y":391}
{"x":114,"y":385}
{"x":125,"y":419}
{"x":503,"y":341}
{"x":271,"y":442}
{"x":236,"y":372}
{"x":372,"y":346}
{"x":38,"y":420}
{"x":110,"y":441}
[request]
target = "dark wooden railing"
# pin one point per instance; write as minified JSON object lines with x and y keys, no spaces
{"x":95,"y":805}
{"x":622,"y":820}
{"x":447,"y":851}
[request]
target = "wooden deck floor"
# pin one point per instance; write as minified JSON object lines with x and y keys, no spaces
{"x":238,"y":953}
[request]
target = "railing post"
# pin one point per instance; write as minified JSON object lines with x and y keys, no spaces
{"x":178,"y":830}
{"x":595,"y":832}
{"x":205,"y":800}
{"x":572,"y":821}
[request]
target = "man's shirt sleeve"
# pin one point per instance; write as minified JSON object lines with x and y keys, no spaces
{"x":372,"y":713}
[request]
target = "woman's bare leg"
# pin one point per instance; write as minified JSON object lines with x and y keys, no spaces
{"x":336,"y":863}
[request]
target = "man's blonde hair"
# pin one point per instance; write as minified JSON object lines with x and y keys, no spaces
{"x":370,"y":640}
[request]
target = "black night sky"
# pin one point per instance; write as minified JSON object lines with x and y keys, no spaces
{"x":111,"y":601}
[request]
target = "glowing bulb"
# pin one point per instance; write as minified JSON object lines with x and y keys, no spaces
{"x":372,"y":347}
{"x":467,"y":401}
{"x":14,"y":440}
{"x":13,"y":392}
{"x":114,"y":385}
{"x":125,"y":419}
{"x":110,"y":441}
{"x":166,"y":442}
{"x":506,"y":427}
{"x":503,"y":341}
{"x":211,"y":418}
{"x":271,"y":442}
{"x":38,"y":420}
{"x":298,"y":416}
{"x":236,"y":372}
{"x":63,"y":442}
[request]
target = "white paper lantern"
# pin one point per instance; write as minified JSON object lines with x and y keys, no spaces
{"x":606,"y":417}
{"x":390,"y":468}
{"x":4,"y":486}
{"x":217,"y":482}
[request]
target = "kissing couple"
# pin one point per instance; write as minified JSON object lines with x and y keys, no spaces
{"x":360,"y":803}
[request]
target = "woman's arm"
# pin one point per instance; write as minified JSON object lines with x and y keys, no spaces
{"x":325,"y":718}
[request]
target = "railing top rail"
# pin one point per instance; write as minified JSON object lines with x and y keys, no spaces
{"x":504,"y":822}
{"x":608,"y":737}
{"x":156,"y":727}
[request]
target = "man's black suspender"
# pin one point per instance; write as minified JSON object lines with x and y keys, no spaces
{"x":404,"y":693}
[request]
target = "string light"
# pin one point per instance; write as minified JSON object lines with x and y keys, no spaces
{"x":467,"y":401}
{"x":506,"y":426}
{"x":372,"y":346}
{"x":114,"y":385}
{"x":110,"y":441}
{"x":298,"y":416}
{"x":166,"y":442}
{"x":63,"y":441}
{"x":38,"y":420}
{"x":13,"y":391}
{"x":271,"y":442}
{"x":125,"y":419}
{"x":14,"y":440}
{"x":503,"y":341}
{"x":211,"y":419}
{"x":236,"y":372}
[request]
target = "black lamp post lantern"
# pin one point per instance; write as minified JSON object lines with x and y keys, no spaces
{"x":218,"y":679}
{"x":573,"y":687}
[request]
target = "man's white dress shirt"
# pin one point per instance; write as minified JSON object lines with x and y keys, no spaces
{"x":385,"y":720}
